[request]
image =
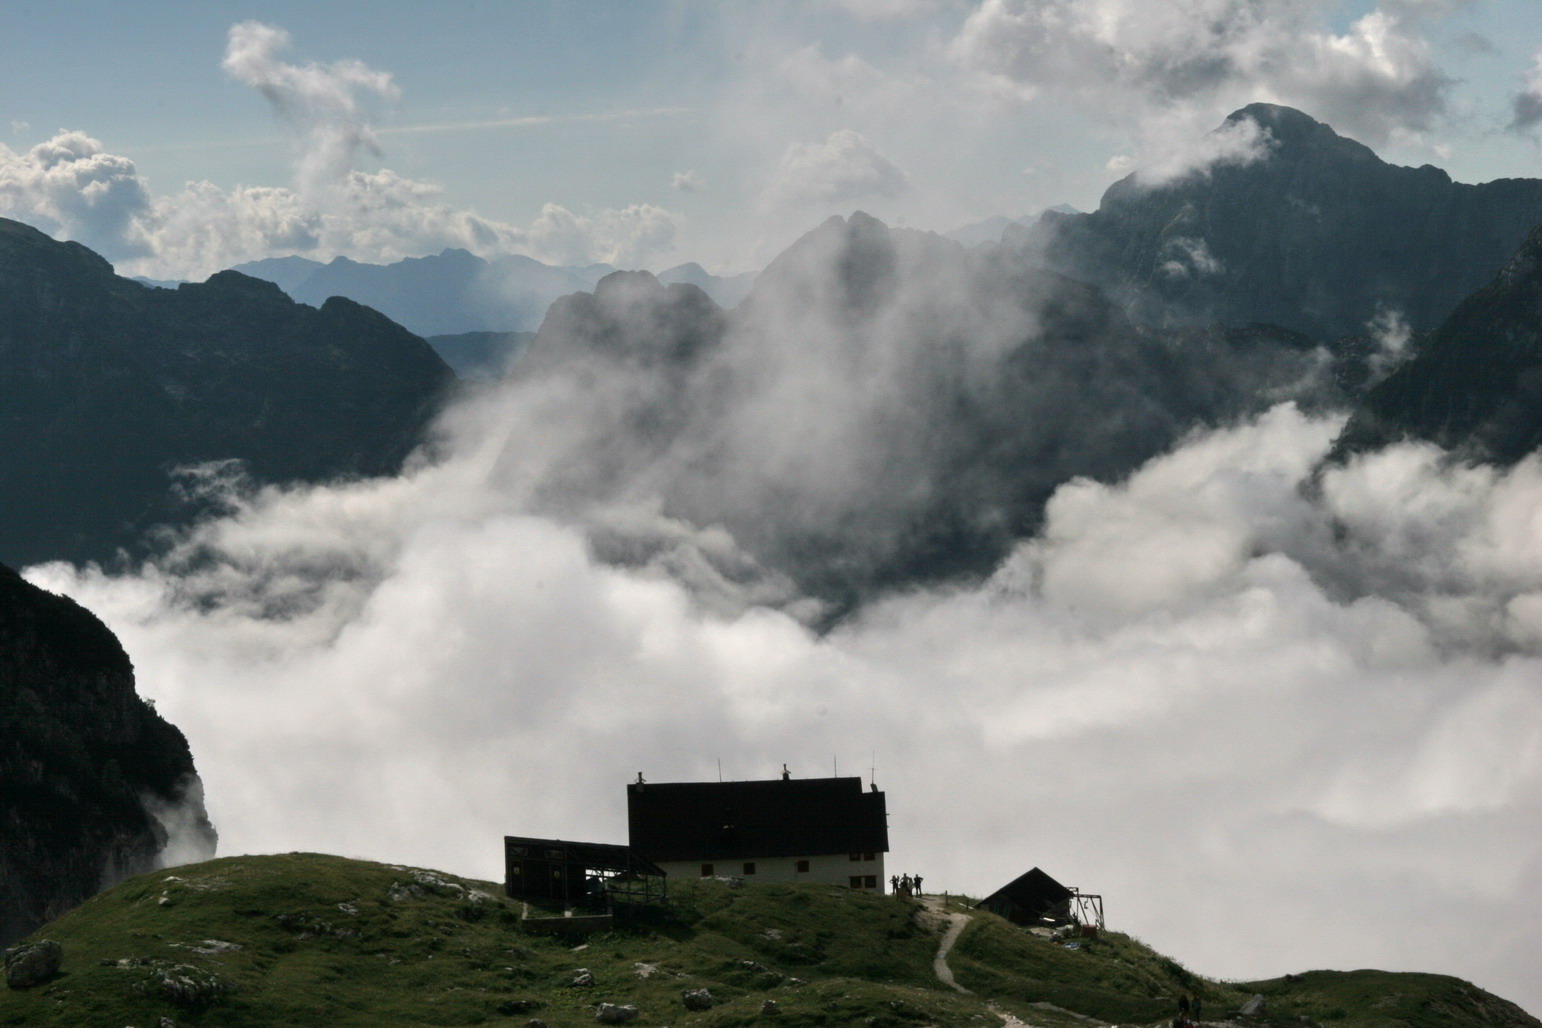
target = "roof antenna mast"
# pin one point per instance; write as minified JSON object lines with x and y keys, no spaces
{"x":720,"y":769}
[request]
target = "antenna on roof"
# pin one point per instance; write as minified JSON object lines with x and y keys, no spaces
{"x":720,"y":769}
{"x":872,"y":773}
{"x":835,"y":766}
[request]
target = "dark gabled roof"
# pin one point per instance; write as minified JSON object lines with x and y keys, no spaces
{"x":742,"y":820}
{"x":1032,"y":893}
{"x":597,"y":856}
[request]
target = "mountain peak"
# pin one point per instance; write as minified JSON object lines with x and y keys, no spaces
{"x":1295,"y":131}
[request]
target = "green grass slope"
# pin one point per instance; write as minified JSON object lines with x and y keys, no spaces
{"x":305,"y":939}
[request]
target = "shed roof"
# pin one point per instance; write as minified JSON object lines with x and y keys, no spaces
{"x":1032,"y":892}
{"x":741,"y":820}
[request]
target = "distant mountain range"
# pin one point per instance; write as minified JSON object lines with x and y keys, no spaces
{"x":455,"y":292}
{"x":961,"y":385}
{"x":991,"y":230}
{"x":108,"y":385}
{"x":1317,"y":234}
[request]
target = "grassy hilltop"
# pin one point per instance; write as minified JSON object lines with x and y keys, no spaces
{"x":306,"y":939}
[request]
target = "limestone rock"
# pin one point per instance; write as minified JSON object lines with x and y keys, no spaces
{"x":696,"y":999}
{"x":32,"y":963}
{"x":615,"y":1013}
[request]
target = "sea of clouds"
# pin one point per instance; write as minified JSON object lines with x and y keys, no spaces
{"x":1278,"y":721}
{"x":1280,"y":716}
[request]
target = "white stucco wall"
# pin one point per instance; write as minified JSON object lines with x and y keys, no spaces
{"x":827,"y":869}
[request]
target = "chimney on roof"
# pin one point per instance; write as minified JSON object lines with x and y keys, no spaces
{"x":640,"y":782}
{"x":786,"y":775}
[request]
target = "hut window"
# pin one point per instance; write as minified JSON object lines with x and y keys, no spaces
{"x":706,"y":870}
{"x":855,"y":881}
{"x":870,"y":882}
{"x":803,"y":867}
{"x":749,"y":867}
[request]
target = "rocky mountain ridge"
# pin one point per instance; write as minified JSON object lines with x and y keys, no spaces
{"x":1302,"y":228}
{"x":109,"y":385}
{"x":1474,"y":386}
{"x":92,"y":780}
{"x":455,"y":292}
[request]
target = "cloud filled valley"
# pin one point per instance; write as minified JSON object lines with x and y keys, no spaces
{"x":1165,"y":648}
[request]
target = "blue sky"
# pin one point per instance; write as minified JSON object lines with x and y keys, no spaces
{"x":728,"y":129}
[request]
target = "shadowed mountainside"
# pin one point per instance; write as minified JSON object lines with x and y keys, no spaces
{"x":81,"y":759}
{"x":107,"y":385}
{"x":1475,"y":385}
{"x":1315,"y":233}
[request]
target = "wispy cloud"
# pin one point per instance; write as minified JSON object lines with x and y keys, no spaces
{"x":534,"y":121}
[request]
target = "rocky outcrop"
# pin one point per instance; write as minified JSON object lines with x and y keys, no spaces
{"x":1316,"y":234}
{"x":88,"y":770}
{"x":106,"y":385}
{"x":32,"y":963}
{"x":1475,"y":385}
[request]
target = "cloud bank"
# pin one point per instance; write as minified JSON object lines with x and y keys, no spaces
{"x":1274,"y":715}
{"x":1274,"y":731}
{"x":1163,"y":70}
{"x":73,"y":188}
{"x":326,"y":105}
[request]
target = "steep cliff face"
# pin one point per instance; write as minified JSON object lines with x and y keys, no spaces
{"x":90,"y":775}
{"x":106,"y":385}
{"x":1316,"y":233}
{"x":1475,"y":385}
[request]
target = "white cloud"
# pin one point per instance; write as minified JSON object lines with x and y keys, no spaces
{"x":71,"y":187}
{"x":1527,"y":103}
{"x":687,"y":182}
{"x":1265,"y":696}
{"x":327,"y":106}
{"x":1188,"y":255}
{"x":1180,"y":62}
{"x":844,"y":168}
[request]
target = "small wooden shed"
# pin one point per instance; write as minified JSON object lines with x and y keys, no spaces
{"x":1031,"y":899}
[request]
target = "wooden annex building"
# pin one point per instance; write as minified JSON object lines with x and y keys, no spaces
{"x":582,"y":876}
{"x":1035,"y":899}
{"x":1029,"y":899}
{"x":828,"y":830}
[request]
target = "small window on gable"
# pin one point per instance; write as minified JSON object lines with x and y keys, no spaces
{"x":749,"y":867}
{"x":869,"y":856}
{"x":706,"y":870}
{"x":803,"y":867}
{"x":856,"y":856}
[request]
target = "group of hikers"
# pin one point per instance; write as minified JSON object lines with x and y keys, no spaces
{"x":905,"y":886}
{"x":1187,"y":1007}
